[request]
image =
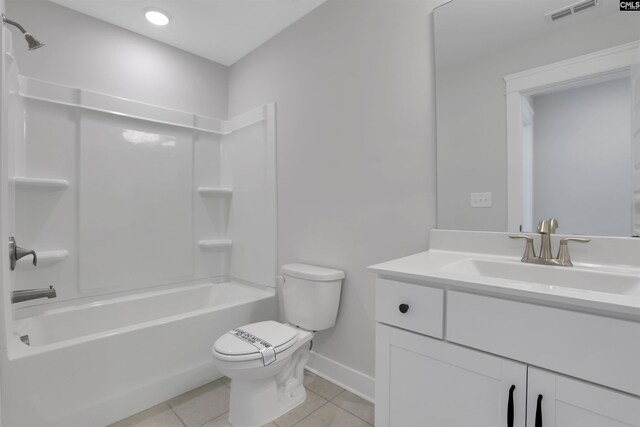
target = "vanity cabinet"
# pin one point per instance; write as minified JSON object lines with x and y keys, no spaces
{"x":483,"y":361}
{"x":424,"y":382}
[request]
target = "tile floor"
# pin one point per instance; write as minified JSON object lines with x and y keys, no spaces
{"x":326,"y":405}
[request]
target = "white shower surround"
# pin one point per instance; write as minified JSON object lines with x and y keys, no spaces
{"x":63,"y":191}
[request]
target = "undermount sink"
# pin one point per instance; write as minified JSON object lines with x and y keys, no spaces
{"x":567,"y":277}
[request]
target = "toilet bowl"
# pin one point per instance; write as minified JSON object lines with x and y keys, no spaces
{"x":259,"y":393}
{"x":266,"y":360}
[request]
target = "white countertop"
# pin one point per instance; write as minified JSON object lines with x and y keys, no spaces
{"x":438,"y":266}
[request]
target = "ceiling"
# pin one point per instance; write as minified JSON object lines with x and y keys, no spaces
{"x":220,"y":30}
{"x":467,"y":29}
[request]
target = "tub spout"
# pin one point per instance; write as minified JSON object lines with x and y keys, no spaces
{"x":29,"y":294}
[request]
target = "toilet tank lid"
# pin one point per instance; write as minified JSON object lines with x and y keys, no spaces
{"x":312,"y":272}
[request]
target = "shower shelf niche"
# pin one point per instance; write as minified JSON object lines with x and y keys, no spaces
{"x":215,"y":191}
{"x":45,"y":258}
{"x":212,"y":244}
{"x":40,"y":183}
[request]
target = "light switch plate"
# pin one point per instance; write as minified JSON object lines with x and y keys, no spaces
{"x":481,"y":200}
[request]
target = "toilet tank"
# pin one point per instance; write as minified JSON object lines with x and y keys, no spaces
{"x":311,"y":295}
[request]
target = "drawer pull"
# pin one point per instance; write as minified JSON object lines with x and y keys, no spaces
{"x":510,"y":414}
{"x":539,"y":412}
{"x":403,"y":308}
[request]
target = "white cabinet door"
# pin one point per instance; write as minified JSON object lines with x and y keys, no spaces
{"x":425,"y":382}
{"x":558,"y":401}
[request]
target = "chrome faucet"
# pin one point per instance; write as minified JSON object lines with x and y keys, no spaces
{"x":546,"y":228}
{"x":29,"y":294}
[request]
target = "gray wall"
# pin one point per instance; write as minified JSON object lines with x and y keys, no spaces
{"x":582,"y":159}
{"x":353,"y":81}
{"x":472,"y":147}
{"x":85,"y":52}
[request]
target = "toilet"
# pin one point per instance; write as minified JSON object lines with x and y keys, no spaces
{"x":266,"y":360}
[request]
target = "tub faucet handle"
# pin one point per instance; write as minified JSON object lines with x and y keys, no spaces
{"x":16,"y":252}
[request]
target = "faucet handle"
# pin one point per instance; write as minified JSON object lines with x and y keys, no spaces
{"x":575,"y":239}
{"x":16,"y":252}
{"x":529,"y":250}
{"x":563,"y":252}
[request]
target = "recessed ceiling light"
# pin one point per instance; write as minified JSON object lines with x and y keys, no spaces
{"x":156,"y":17}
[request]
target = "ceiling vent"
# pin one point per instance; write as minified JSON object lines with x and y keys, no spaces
{"x":572,"y":10}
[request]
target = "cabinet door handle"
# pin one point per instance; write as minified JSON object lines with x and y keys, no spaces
{"x":510,"y":407}
{"x":403,"y":308}
{"x":539,"y":412}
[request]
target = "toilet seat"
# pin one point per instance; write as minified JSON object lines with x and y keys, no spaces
{"x":234,"y":349}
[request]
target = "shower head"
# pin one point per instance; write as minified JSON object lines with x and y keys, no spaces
{"x":32,"y":41}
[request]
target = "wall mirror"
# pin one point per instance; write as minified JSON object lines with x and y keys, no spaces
{"x":534,"y":115}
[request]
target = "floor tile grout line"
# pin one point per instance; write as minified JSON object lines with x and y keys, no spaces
{"x":317,"y":394}
{"x":336,"y":396}
{"x":325,"y":398}
{"x":312,"y":412}
{"x":176,"y":414}
{"x":355,"y":415}
{"x":308,"y":391}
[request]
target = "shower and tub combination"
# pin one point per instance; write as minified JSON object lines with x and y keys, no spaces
{"x":156,"y":229}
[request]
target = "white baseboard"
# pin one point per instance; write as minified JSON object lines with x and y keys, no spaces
{"x":348,"y":378}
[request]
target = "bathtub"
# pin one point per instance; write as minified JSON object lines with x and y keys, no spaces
{"x":92,"y":364}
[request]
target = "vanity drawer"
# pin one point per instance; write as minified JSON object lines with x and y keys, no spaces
{"x":595,"y":348}
{"x":424,"y":307}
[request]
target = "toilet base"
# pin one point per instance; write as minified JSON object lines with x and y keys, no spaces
{"x":255,"y":403}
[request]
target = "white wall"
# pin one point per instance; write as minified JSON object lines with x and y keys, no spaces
{"x":85,"y":52}
{"x":353,"y":82}
{"x":472,"y":147}
{"x":582,"y":159}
